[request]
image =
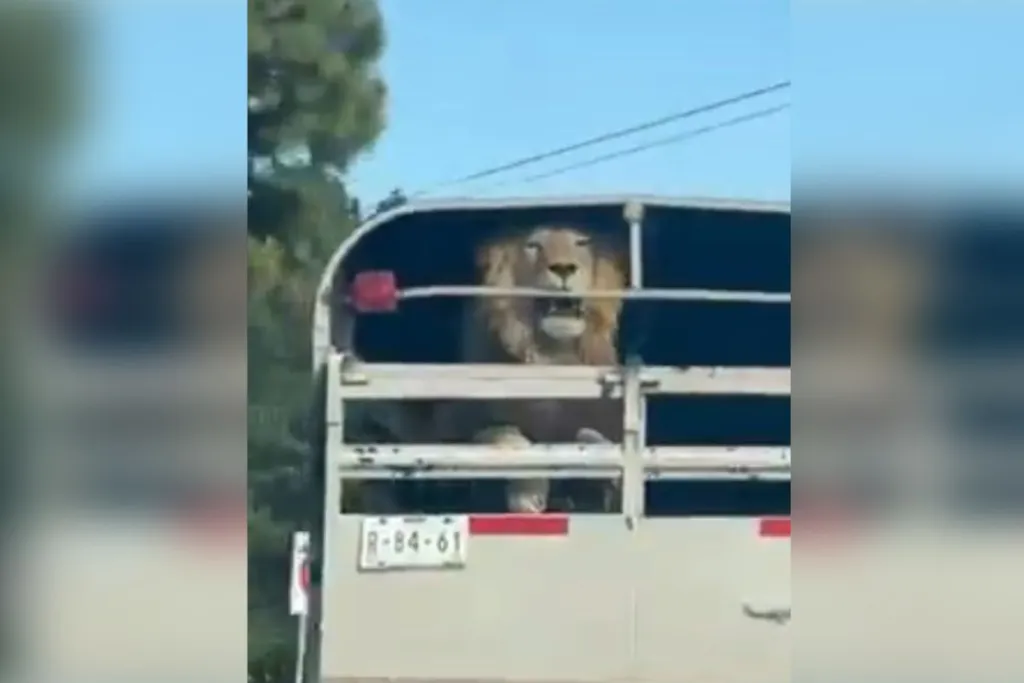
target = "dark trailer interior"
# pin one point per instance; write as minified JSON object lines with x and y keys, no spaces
{"x":726,"y":247}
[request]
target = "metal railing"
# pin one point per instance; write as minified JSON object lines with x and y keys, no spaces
{"x":350,"y":380}
{"x":395,"y":381}
{"x":438,"y":291}
{"x":446,"y":461}
{"x":633,"y":460}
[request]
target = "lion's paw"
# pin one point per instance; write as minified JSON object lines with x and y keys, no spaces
{"x":528,"y":495}
{"x":588,"y":435}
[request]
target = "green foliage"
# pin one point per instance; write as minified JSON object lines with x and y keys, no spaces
{"x":38,"y":77}
{"x":40,"y":106}
{"x":315,"y":103}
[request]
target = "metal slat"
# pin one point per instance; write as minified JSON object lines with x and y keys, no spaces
{"x":372,"y":381}
{"x":401,"y":381}
{"x":482,"y":473}
{"x":558,"y":460}
{"x":481,"y":457}
{"x":662,"y":380}
{"x":596,"y":473}
{"x":652,"y":294}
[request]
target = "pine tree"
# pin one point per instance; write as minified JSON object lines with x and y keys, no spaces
{"x":316,"y":102}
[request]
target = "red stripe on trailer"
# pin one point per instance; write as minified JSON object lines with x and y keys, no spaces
{"x":776,"y":527}
{"x":519,"y":525}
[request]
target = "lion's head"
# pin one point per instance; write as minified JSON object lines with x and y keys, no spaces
{"x":553,"y":330}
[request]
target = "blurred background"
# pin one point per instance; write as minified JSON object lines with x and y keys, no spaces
{"x":122,"y":191}
{"x":124,"y":371}
{"x":908,"y":336}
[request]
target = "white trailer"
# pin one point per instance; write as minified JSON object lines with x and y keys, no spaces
{"x":467,"y":595}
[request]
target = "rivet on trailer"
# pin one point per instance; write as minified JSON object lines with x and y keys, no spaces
{"x":662,"y":469}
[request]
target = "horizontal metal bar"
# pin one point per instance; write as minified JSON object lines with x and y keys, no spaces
{"x":414,"y":381}
{"x":560,"y":457}
{"x":358,"y":373}
{"x":483,"y":473}
{"x":718,"y":475}
{"x":682,"y":458}
{"x":598,"y":474}
{"x":562,"y":201}
{"x":506,"y":381}
{"x":665,"y":380}
{"x":629,"y":294}
{"x":481,"y":456}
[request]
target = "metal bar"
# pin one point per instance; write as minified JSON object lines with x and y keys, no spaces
{"x":633,"y":446}
{"x":372,"y":381}
{"x":684,"y":457}
{"x":664,"y":380}
{"x":410,"y":382}
{"x":560,"y":456}
{"x":335,"y":411}
{"x":596,"y":473}
{"x":718,"y":475}
{"x":482,"y":473}
{"x":633,"y":212}
{"x":334,"y":444}
{"x":302,"y":636}
{"x":360,"y":373}
{"x":422,"y":457}
{"x":637,"y":294}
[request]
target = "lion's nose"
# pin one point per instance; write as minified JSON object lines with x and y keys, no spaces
{"x":563,"y":270}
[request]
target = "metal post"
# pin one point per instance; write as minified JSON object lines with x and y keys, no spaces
{"x":300,"y":657}
{"x":299,"y":598}
{"x":634,"y":436}
{"x":334,"y":437}
{"x":633,"y":449}
{"x":634,"y":215}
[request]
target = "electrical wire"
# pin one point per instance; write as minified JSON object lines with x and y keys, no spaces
{"x":653,"y":144}
{"x":607,"y":137}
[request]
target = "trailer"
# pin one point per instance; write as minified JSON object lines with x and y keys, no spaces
{"x":685,"y":579}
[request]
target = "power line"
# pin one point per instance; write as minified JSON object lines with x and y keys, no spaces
{"x":613,"y":135}
{"x":662,"y":142}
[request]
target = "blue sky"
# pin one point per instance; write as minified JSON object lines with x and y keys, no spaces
{"x":907,"y":91}
{"x":474,"y":84}
{"x":168,"y":98}
{"x":889,"y":89}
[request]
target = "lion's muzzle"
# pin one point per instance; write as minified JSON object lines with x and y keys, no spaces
{"x":561,"y":319}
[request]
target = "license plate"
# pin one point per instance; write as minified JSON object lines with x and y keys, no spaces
{"x":435,"y":542}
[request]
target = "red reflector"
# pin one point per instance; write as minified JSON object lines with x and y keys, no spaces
{"x":375,"y":291}
{"x":519,"y":525}
{"x":776,"y":528}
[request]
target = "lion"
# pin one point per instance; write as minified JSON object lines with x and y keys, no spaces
{"x":546,"y":332}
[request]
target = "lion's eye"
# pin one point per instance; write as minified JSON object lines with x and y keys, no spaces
{"x":583,"y":242}
{"x":533,"y":246}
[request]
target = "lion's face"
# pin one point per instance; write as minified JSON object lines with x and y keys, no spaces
{"x":554,"y":258}
{"x":559,"y":259}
